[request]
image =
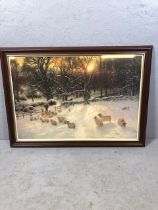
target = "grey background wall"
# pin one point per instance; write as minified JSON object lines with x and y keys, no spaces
{"x":81,"y":23}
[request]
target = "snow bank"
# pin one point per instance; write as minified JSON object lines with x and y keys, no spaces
{"x":83,"y":116}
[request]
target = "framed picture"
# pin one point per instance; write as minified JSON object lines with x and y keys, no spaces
{"x":76,"y":96}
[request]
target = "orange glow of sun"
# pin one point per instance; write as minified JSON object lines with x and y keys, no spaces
{"x":91,"y":67}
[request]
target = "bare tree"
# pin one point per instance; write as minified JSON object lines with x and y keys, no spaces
{"x":43,"y":77}
{"x":16,"y":78}
{"x":87,"y":76}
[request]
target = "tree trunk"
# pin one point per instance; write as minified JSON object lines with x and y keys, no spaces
{"x":101,"y":92}
{"x":106,"y":92}
{"x":32,"y":98}
{"x":17,"y":95}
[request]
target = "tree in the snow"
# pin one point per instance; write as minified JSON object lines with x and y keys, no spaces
{"x":76,"y":76}
{"x":86,"y":69}
{"x":16,"y":78}
{"x":43,"y":77}
{"x":121,"y":76}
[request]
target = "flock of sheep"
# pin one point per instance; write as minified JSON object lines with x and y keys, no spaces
{"x":53,"y":118}
{"x":50,"y":117}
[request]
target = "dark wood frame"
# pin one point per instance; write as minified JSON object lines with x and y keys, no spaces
{"x":83,"y":50}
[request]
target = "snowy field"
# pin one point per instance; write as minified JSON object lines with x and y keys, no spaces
{"x":83,"y":117}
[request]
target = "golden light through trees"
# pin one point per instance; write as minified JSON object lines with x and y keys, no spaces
{"x":91,"y":67}
{"x":19,"y":60}
{"x":59,"y":61}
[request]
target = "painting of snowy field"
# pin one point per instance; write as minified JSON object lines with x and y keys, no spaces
{"x":76,"y":97}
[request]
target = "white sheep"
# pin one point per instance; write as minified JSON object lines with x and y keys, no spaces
{"x":40,"y":118}
{"x":61,"y":119}
{"x":53,"y":122}
{"x":54,"y":113}
{"x":43,"y":119}
{"x":47,"y":120}
{"x":106,"y":118}
{"x":121,"y":122}
{"x":98,"y":121}
{"x":70,"y":124}
{"x":125,"y":108}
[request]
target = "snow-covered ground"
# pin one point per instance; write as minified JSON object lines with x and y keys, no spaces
{"x":83,"y":117}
